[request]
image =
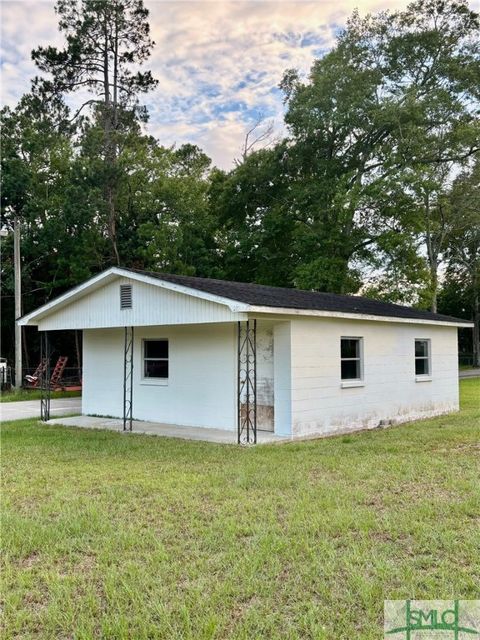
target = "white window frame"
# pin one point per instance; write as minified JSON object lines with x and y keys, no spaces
{"x":158,"y":382}
{"x":423,"y":377}
{"x":353,"y":382}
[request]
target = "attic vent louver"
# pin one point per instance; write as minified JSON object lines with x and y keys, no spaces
{"x":125,"y":296}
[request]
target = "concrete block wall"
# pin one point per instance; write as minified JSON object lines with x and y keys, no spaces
{"x":390,"y":391}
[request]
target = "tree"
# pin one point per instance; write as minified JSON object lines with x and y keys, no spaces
{"x":429,"y":221}
{"x":168,"y":225}
{"x":258,"y":135}
{"x":399,"y":91}
{"x":60,"y":244}
{"x":105,"y":40}
{"x":255,"y":238}
{"x":464,"y":246}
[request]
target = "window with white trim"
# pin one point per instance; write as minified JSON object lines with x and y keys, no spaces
{"x":423,"y":364}
{"x":155,"y":359}
{"x":351,"y":356}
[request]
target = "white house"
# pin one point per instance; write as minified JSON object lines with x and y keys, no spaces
{"x":245,"y":358}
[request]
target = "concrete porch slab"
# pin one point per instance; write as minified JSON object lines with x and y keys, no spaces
{"x":219,"y":436}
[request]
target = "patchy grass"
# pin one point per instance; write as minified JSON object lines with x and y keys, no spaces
{"x":120,"y":537}
{"x":34,"y":394}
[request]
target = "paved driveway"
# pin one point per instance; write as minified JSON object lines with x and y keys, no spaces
{"x":31,"y":408}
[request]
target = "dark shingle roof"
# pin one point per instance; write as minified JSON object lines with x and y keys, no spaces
{"x":262,"y":295}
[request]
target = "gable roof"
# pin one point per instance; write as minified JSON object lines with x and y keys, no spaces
{"x":241,"y":298}
{"x":284,"y":298}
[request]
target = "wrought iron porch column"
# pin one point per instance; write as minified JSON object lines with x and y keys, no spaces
{"x":247,"y":382}
{"x":45,"y":377}
{"x":128,"y":379}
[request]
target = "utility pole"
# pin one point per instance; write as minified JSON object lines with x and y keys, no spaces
{"x":18,"y":303}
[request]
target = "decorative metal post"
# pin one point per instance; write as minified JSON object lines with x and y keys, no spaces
{"x":128,"y":379}
{"x":247,"y":382}
{"x":45,"y":377}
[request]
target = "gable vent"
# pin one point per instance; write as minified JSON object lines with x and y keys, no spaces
{"x":125,"y":296}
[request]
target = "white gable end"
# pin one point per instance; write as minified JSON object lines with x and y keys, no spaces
{"x":150,"y":305}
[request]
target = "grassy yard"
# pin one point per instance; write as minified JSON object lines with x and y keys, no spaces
{"x":136,"y":537}
{"x":34,"y":394}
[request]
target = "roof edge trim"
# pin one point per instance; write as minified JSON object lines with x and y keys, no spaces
{"x":354,"y":316}
{"x":92,"y":283}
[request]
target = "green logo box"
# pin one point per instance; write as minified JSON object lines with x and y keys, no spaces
{"x":432,"y":619}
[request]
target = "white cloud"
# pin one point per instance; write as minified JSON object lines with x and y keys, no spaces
{"x":218,"y":63}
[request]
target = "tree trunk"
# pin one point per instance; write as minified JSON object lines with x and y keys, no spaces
{"x":432,"y":255}
{"x":112,"y":219}
{"x":476,"y":329}
{"x":434,"y":286}
{"x":109,"y":152}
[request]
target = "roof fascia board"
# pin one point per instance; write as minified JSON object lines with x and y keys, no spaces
{"x":233,"y":305}
{"x":283,"y":311}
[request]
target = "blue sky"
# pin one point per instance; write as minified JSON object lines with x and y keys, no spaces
{"x":218,"y":63}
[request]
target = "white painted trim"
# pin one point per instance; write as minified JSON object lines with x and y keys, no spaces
{"x":361,"y":380}
{"x":283,"y":311}
{"x":117,"y":272}
{"x":349,"y":384}
{"x":426,"y":378}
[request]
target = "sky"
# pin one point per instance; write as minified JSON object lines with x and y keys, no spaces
{"x":218,"y":63}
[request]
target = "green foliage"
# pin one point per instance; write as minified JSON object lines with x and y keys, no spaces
{"x":388,"y":109}
{"x":463,"y":273}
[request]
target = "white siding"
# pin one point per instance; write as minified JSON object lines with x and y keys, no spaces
{"x":152,"y":305}
{"x":390,"y":392}
{"x":201,"y":389}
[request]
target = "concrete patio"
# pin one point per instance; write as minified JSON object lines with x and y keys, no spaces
{"x":219,"y":436}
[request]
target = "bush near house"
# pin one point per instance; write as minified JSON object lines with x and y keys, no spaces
{"x":113,"y":536}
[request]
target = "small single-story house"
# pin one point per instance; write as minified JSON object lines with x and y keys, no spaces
{"x":245,"y":357}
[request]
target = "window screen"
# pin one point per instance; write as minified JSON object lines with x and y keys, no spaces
{"x":422,"y":357}
{"x":125,"y":296}
{"x":155,"y":359}
{"x":351,"y":358}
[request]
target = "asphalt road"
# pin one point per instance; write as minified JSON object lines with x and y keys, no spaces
{"x":469,"y":373}
{"x":31,"y":408}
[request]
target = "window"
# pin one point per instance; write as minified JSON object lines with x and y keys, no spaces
{"x":351,"y":358}
{"x":125,"y":296}
{"x":422,"y":358}
{"x":155,"y":359}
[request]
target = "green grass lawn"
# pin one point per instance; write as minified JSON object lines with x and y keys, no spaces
{"x":136,"y":537}
{"x":34,"y":394}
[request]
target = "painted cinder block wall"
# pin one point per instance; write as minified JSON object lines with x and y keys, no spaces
{"x":200,"y":391}
{"x":319,"y":404}
{"x":304,"y":362}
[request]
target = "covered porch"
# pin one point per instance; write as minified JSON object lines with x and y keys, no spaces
{"x":226,"y":382}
